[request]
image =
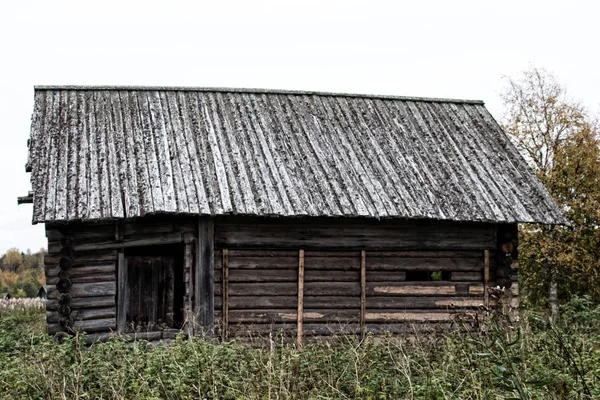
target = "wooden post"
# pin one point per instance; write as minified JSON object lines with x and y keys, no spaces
{"x":363,"y":293}
{"x":300,"y":297}
{"x":119,"y":229}
{"x":225,"y":293}
{"x":486,"y":278}
{"x":205,"y":275}
{"x":188,"y":282}
{"x":122,"y":293}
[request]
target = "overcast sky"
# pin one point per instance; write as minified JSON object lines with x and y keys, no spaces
{"x":457,"y":49}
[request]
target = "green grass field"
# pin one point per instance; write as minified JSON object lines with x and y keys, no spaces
{"x":529,"y":359}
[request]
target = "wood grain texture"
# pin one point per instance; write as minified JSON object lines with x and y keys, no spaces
{"x":300,"y":313}
{"x":225,"y":325}
{"x":363,"y":293}
{"x":205,"y":289}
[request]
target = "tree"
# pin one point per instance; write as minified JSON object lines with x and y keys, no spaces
{"x":560,"y":142}
{"x":12,"y":260}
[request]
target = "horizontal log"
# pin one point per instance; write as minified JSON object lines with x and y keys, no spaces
{"x":133,"y":336}
{"x":310,"y":302}
{"x":262,"y":275}
{"x":266,"y":253}
{"x":84,"y":278}
{"x":474,"y":254}
{"x":88,"y":290}
{"x":95,"y":325}
{"x":342,"y":234}
{"x":149,"y":240}
{"x":92,"y":325}
{"x":317,"y":262}
{"x":390,"y":316}
{"x":385,"y":276}
{"x":423,"y":288}
{"x":466,"y":276}
{"x":275,"y":316}
{"x":83,"y":302}
{"x":414,"y":328}
{"x":258,"y":289}
{"x":86,"y":314}
{"x":424,"y":264}
{"x":311,"y":275}
{"x":425,"y":302}
{"x":259,"y":262}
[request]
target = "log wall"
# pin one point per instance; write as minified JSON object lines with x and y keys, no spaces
{"x":354,"y":275}
{"x":82,"y":267}
{"x":263,"y":263}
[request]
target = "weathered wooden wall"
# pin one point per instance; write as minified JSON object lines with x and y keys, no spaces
{"x":354,"y":275}
{"x":82,"y":262}
{"x":263,"y":273}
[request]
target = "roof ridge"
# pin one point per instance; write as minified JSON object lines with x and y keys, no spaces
{"x":256,"y":90}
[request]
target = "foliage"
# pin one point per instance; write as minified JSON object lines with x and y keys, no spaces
{"x":561,"y":142}
{"x":508,"y":358}
{"x":12,"y":260}
{"x":22,"y":274}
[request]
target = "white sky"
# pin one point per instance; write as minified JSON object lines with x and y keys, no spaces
{"x":458,"y":49}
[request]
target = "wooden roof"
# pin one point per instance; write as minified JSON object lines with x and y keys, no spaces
{"x":110,"y":152}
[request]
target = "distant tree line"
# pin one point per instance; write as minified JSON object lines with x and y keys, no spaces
{"x":22,"y":274}
{"x":561,"y":141}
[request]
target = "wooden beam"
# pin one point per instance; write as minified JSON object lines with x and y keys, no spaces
{"x":119,"y":229}
{"x":225,"y":293}
{"x":205,"y":275}
{"x":363,"y":293}
{"x":300,"y":297}
{"x":155,"y":240}
{"x":25,"y":199}
{"x":188,"y":282}
{"x":486,"y":278}
{"x":122,"y":293}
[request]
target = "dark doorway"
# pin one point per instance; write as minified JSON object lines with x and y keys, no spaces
{"x":154,"y":288}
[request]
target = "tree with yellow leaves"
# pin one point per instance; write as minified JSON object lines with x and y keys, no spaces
{"x":561,"y":143}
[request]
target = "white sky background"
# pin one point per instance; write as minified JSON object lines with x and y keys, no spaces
{"x":457,"y":49}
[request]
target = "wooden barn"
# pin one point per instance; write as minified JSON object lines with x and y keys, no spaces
{"x":233,"y":211}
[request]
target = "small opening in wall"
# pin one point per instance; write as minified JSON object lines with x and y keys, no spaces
{"x":427,"y":276}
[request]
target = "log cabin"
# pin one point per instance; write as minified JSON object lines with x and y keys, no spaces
{"x":238,"y":211}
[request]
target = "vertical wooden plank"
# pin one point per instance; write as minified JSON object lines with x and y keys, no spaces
{"x":205,"y":275}
{"x":119,"y":229}
{"x":486,"y":278}
{"x":300,"y":297}
{"x":122,"y":293}
{"x":225,"y":293}
{"x":170,"y":292}
{"x":188,"y":315}
{"x":363,"y":293}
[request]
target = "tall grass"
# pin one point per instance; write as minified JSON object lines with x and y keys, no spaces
{"x":529,"y":359}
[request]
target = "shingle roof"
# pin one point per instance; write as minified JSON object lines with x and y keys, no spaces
{"x":109,"y":152}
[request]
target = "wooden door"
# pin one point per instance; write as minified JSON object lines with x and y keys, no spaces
{"x":150,"y":304}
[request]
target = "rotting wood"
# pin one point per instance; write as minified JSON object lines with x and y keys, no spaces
{"x":300,"y":314}
{"x":486,"y":278}
{"x":225,"y":293}
{"x":363,"y":293}
{"x":415,"y":289}
{"x":407,"y":316}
